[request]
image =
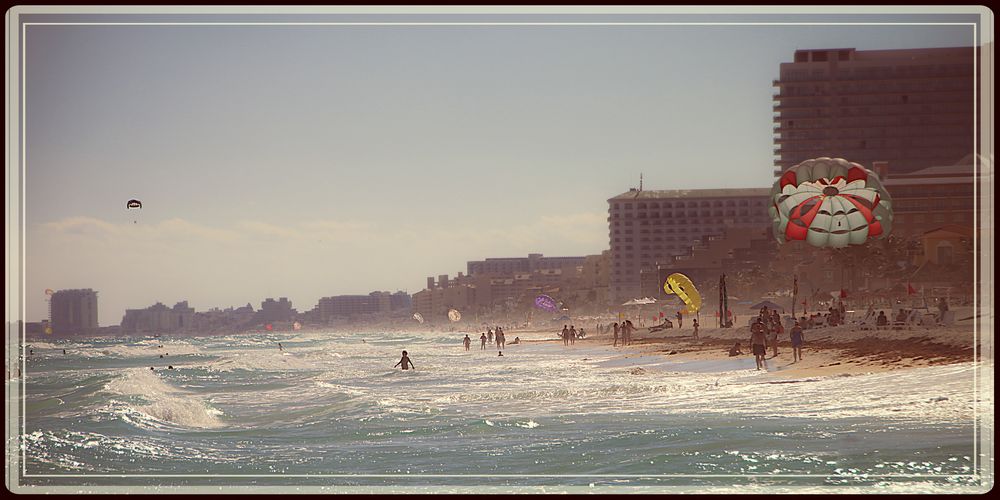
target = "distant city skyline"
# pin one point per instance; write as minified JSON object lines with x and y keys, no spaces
{"x":304,"y":162}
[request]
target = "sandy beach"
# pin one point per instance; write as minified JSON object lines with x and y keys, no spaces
{"x":827,"y":351}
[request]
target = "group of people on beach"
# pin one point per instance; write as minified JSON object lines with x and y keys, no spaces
{"x":488,"y":337}
{"x":765,"y":331}
{"x":569,"y":334}
{"x":626,"y":328}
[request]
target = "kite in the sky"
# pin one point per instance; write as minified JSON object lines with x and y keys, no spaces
{"x":680,"y":285}
{"x":830,"y":202}
{"x":546,"y":303}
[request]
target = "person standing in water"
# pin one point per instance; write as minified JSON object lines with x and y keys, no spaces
{"x":758,"y":344}
{"x":483,"y":340}
{"x":501,"y":339}
{"x":797,"y":339}
{"x":572,"y":335}
{"x":565,"y":334}
{"x":405,"y":360}
{"x":467,"y":341}
{"x":489,"y":333}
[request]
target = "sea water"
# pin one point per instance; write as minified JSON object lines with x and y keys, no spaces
{"x":330,"y":409}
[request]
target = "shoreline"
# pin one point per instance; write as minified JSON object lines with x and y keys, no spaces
{"x":831,"y":351}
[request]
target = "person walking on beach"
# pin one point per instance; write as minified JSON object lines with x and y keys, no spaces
{"x":797,"y":338}
{"x":616,"y":336}
{"x":565,"y":334}
{"x":680,"y":320}
{"x":279,"y":347}
{"x":483,"y":339}
{"x":695,"y":324}
{"x":627,"y":328}
{"x":489,"y":333}
{"x":405,"y":360}
{"x":758,"y":344}
{"x":467,"y":341}
{"x":572,"y":335}
{"x":775,"y":331}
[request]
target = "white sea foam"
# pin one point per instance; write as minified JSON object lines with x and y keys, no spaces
{"x":163,"y":403}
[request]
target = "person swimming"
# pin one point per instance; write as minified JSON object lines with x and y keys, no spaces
{"x":405,"y":360}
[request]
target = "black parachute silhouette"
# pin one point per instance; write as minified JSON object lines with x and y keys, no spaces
{"x":133,"y":204}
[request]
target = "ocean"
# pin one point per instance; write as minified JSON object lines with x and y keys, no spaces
{"x":330,"y":411}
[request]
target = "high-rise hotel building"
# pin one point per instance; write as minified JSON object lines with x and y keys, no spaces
{"x":913,"y":108}
{"x":648,"y":228}
{"x":73,"y":312}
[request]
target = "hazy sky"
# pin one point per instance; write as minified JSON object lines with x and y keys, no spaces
{"x":314,"y":161}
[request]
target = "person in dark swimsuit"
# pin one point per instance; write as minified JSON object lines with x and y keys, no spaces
{"x":797,"y":338}
{"x":405,"y":360}
{"x":758,"y":344}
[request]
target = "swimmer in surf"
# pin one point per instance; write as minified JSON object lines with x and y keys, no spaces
{"x":405,"y":360}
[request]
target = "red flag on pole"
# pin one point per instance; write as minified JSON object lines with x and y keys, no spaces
{"x":910,"y":290}
{"x":843,"y":293}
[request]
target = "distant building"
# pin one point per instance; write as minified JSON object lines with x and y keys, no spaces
{"x":911,"y":107}
{"x":946,"y":246}
{"x":229,"y":319}
{"x":932,"y":197}
{"x":276,"y":310}
{"x":433,"y":304}
{"x":648,"y":228}
{"x":345,"y":306}
{"x":159,"y":318}
{"x":73,"y":312}
{"x":506,"y":266}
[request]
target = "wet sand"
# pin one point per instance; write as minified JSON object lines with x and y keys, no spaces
{"x":828,"y":351}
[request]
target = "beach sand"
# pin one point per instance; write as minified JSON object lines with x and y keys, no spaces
{"x":828,"y":351}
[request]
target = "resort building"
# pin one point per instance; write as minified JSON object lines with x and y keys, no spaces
{"x":276,"y":310}
{"x":158,"y":318}
{"x":345,"y":306}
{"x":910,"y":107}
{"x":73,"y":312}
{"x":648,"y":228}
{"x":506,"y":266}
{"x":933,"y":197}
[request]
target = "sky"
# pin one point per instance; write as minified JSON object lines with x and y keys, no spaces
{"x":303,"y":161}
